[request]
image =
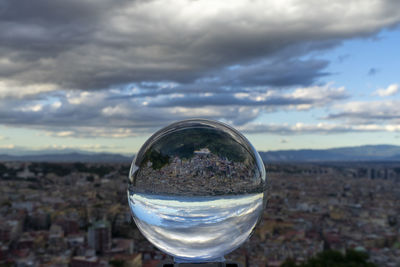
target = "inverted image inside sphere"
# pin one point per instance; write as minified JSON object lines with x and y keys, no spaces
{"x":197,"y":189}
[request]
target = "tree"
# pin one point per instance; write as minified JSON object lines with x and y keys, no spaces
{"x":117,"y":263}
{"x":332,"y":258}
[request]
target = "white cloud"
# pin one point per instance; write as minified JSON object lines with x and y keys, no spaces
{"x":318,"y":128}
{"x":14,"y":89}
{"x":56,"y":105}
{"x":367,"y":112}
{"x":94,"y":132}
{"x":32,"y":108}
{"x":391,"y":90}
{"x":319,"y":92}
{"x":116,"y":110}
{"x":64,"y":133}
{"x":88,"y":114}
{"x":301,"y":98}
{"x":93,"y":147}
{"x":85,"y":97}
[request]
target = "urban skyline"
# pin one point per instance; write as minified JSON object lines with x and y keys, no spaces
{"x":76,"y":214}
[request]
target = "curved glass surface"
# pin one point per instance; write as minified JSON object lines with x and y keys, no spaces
{"x":196,"y":190}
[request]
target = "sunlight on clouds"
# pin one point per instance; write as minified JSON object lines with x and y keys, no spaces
{"x":241,"y":95}
{"x":391,"y":90}
{"x":95,"y":132}
{"x":64,"y":133}
{"x":32,"y":108}
{"x":86,"y":113}
{"x":207,"y":94}
{"x":93,"y":147}
{"x":319,"y":128}
{"x":9,"y":146}
{"x":85,"y":97}
{"x":56,"y":105}
{"x":77,"y":98}
{"x":377,"y":128}
{"x":13,"y":89}
{"x":196,"y":112}
{"x":393,"y":128}
{"x":367,"y":111}
{"x":319,"y":92}
{"x":116,"y":110}
{"x":304,"y":107}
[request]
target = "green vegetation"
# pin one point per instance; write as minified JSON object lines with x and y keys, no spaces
{"x":156,"y":158}
{"x":117,"y":263}
{"x":3,"y":168}
{"x":332,"y":258}
{"x":6,"y":203}
{"x":124,"y":170}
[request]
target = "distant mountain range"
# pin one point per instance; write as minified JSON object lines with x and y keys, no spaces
{"x":68,"y":157}
{"x":344,"y":154}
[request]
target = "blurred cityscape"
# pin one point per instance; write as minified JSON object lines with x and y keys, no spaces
{"x":76,"y":214}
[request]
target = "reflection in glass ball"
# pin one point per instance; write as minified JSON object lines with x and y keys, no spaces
{"x":197,"y":189}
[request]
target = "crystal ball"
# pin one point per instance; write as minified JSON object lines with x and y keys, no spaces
{"x":197,"y":189}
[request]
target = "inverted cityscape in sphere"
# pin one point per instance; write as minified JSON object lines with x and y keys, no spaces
{"x":197,"y":189}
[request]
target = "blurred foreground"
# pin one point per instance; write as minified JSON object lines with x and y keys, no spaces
{"x":77,"y":215}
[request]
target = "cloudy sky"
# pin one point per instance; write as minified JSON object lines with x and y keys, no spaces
{"x":103,"y":75}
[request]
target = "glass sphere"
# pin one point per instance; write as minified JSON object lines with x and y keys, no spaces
{"x":197,"y":189}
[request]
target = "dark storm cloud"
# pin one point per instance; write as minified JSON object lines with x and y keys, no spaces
{"x":96,"y":44}
{"x":120,"y":68}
